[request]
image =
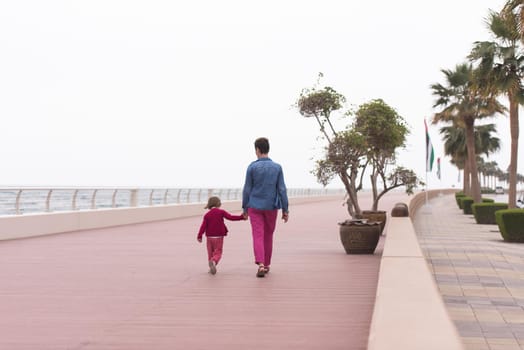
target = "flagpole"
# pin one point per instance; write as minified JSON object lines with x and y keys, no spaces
{"x":427,"y":188}
{"x":440,"y":184}
{"x":429,"y":159}
{"x":439,"y":174}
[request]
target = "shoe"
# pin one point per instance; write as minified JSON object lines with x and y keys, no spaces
{"x":212,"y":267}
{"x":261,"y":272}
{"x":266,"y":269}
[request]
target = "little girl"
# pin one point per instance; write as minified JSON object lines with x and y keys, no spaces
{"x":215,"y":228}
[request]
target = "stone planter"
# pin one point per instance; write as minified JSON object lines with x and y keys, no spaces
{"x":400,"y":210}
{"x":359,"y":236}
{"x":379,"y":216}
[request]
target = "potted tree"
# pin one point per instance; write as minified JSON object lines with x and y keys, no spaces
{"x":385,"y":131}
{"x":349,"y":153}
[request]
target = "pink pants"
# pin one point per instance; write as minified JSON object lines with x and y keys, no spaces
{"x":214,"y":248}
{"x":263,"y":224}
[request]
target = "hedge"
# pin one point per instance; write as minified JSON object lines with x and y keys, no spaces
{"x":511,"y":224}
{"x":458,"y":198}
{"x":468,"y":201}
{"x":485,"y":212}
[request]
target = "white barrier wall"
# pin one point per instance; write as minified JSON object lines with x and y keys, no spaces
{"x":22,"y":226}
{"x":409,"y":312}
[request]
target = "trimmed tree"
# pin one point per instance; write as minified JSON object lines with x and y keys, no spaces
{"x":385,"y":131}
{"x":350,"y":152}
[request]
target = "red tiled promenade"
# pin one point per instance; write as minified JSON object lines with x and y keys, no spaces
{"x":146,"y":287}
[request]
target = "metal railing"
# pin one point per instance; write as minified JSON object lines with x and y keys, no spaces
{"x":18,"y":201}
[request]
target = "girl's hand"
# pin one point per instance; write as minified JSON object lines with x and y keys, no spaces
{"x":199,"y":240}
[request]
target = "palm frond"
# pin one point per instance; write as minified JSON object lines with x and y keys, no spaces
{"x":504,"y":26}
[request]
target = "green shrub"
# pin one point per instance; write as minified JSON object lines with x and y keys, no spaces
{"x":466,"y":203}
{"x":487,"y":190}
{"x":458,"y":196}
{"x":511,"y":224}
{"x":485,"y":212}
{"x":459,"y":200}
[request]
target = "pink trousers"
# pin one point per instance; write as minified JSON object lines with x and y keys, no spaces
{"x":263,"y":224}
{"x":214,"y":248}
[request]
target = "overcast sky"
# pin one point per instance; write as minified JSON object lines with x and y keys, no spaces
{"x":173,"y":93}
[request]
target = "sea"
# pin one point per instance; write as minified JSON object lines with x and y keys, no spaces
{"x":43,"y":200}
{"x":20,"y":201}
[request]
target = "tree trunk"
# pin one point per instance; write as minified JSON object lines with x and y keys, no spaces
{"x":354,"y":191}
{"x":375,"y":191}
{"x":323,"y":129}
{"x":466,"y":188}
{"x":352,"y":201}
{"x":349,"y":201}
{"x":514,"y":131}
{"x":470,"y":144}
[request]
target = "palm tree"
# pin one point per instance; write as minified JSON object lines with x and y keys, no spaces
{"x":482,"y":169}
{"x":462,"y":104}
{"x":455,"y":147}
{"x":520,"y":178}
{"x":491,"y":171}
{"x":516,"y":7}
{"x":486,"y":144}
{"x":500,"y":72}
{"x":454,"y":138}
{"x":503,"y":176}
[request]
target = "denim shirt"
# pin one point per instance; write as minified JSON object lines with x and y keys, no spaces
{"x":264,"y":188}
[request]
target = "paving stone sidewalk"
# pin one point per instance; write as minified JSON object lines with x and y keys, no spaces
{"x":480,"y":277}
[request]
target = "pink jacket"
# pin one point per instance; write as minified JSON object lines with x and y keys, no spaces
{"x":213,"y":223}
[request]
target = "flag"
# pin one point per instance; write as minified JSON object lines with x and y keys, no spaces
{"x":438,"y":168}
{"x":430,"y":155}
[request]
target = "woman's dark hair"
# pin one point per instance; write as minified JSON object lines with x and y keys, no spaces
{"x":262,"y":144}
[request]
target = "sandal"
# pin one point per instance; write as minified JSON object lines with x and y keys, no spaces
{"x":266,"y":269}
{"x":261,"y":271}
{"x":212,"y":267}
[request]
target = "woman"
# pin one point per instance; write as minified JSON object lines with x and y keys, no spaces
{"x":263,"y":195}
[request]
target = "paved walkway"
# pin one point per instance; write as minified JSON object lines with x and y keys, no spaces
{"x":480,"y":277}
{"x":146,"y":286}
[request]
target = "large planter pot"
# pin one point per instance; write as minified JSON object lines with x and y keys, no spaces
{"x":379,"y":216}
{"x":359,"y":236}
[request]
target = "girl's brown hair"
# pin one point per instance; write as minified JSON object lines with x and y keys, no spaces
{"x":213,"y":202}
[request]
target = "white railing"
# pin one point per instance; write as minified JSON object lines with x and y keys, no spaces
{"x":18,"y":201}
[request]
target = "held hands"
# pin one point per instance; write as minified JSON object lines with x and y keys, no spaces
{"x":285,"y":216}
